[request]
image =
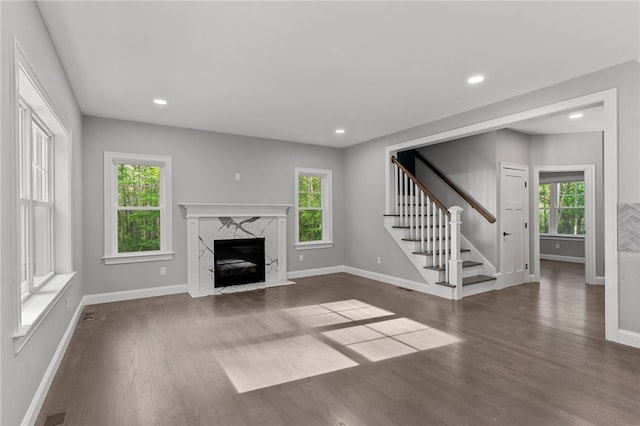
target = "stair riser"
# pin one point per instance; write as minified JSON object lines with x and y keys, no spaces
{"x":466,"y":272}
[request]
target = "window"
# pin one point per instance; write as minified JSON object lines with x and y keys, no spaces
{"x":561,"y":209}
{"x":35,"y":201}
{"x":314,"y":221}
{"x":137,"y":208}
{"x":42,"y":199}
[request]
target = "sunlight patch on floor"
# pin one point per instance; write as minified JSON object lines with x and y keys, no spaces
{"x":271,"y":363}
{"x":391,"y":338}
{"x":268,"y":363}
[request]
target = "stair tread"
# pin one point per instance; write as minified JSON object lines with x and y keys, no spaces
{"x":446,"y":284}
{"x":476,"y":279}
{"x":417,"y":240}
{"x":409,"y":227}
{"x":397,"y":215}
{"x":465,"y":264}
{"x":429,"y":253}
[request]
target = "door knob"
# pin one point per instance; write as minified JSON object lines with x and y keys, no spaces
{"x":504,"y":234}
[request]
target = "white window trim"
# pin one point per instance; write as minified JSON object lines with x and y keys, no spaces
{"x":553,"y":208}
{"x":33,"y":310}
{"x":30,"y":203}
{"x":111,"y":255}
{"x":327,"y":209}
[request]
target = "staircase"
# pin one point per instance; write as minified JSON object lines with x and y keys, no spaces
{"x":429,"y":235}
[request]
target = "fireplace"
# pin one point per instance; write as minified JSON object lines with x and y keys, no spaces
{"x":208,"y":222}
{"x":239,"y":261}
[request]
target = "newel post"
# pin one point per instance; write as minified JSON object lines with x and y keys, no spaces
{"x":455,"y":262}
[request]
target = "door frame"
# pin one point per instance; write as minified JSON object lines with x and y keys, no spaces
{"x":609,"y":100}
{"x":589,"y":171}
{"x":524,"y":168}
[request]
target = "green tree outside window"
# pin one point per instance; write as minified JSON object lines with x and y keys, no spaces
{"x":310,"y":208}
{"x":138,"y":208}
{"x":561,"y":208}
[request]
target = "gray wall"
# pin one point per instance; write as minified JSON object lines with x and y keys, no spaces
{"x":204,"y":167}
{"x":567,"y":247}
{"x":511,"y":147}
{"x":471,"y":164}
{"x":22,"y":373}
{"x":366,"y":203}
{"x":576,"y":148}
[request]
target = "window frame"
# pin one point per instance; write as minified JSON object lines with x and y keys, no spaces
{"x":111,"y":207}
{"x":327,"y":208}
{"x":554,"y":208}
{"x":27,"y":197}
{"x":26,"y":87}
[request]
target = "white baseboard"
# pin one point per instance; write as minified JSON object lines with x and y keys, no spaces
{"x":629,"y":338}
{"x":31,"y":415}
{"x":398,"y":282}
{"x":314,"y":272}
{"x":117,"y":296}
{"x":558,"y":258}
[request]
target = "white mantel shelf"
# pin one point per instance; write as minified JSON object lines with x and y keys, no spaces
{"x":234,"y":210}
{"x":207,"y":222}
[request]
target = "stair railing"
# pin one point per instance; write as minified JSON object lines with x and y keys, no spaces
{"x":461,"y":192}
{"x":428,"y":222}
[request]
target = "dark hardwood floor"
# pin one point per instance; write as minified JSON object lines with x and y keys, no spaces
{"x":532,"y":354}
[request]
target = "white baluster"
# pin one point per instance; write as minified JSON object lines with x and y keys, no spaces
{"x":411,"y":212}
{"x":421,"y":221}
{"x":446,"y":249}
{"x":434,"y":250}
{"x":396,"y":172}
{"x":429,"y":223}
{"x":417,"y":203}
{"x":440,"y":254}
{"x":404,"y":199}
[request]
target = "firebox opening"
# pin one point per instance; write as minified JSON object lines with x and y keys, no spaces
{"x":239,"y":261}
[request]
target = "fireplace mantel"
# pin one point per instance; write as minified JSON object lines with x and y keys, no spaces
{"x":234,"y":210}
{"x":207,"y":222}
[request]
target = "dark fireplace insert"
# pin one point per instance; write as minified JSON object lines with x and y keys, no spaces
{"x":238,"y":261}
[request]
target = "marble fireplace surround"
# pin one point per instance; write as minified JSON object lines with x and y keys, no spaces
{"x":207,"y":222}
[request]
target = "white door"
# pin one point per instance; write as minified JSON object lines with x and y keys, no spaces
{"x":513,"y":225}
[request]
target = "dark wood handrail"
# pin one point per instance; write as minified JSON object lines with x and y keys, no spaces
{"x":437,"y":202}
{"x":461,"y":192}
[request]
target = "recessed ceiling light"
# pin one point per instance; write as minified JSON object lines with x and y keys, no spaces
{"x":339,"y":131}
{"x":575,"y":116}
{"x":475,"y":79}
{"x":159,"y":101}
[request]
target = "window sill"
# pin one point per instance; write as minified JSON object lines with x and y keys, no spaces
{"x":150,"y":256}
{"x":562,"y":237}
{"x":314,"y":245}
{"x":37,"y":306}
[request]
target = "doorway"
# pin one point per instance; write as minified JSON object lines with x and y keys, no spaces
{"x":608,"y":99}
{"x":589,"y":172}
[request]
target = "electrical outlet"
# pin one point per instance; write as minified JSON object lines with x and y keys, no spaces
{"x":301,"y":258}
{"x":237,"y":177}
{"x":163,"y":270}
{"x":379,"y":260}
{"x":557,"y":245}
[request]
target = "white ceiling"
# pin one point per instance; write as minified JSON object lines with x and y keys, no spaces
{"x":592,"y":120}
{"x":298,"y":70}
